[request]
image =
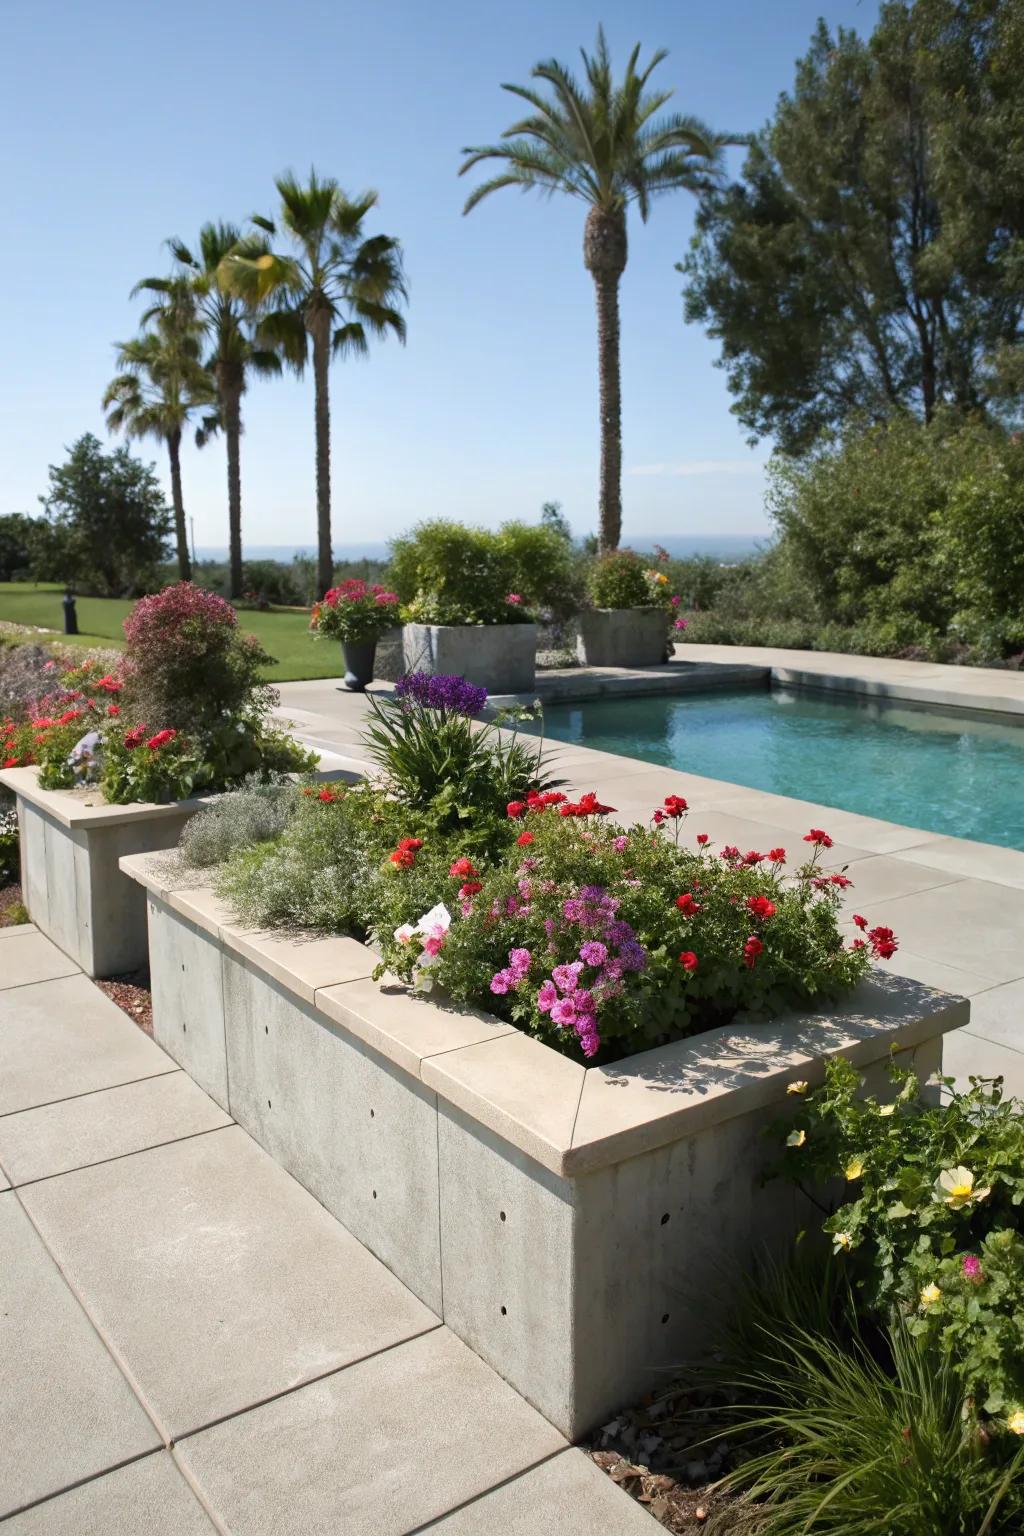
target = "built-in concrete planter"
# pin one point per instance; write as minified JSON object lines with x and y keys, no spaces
{"x":622,"y":637}
{"x":499,"y":657}
{"x":573,"y":1225}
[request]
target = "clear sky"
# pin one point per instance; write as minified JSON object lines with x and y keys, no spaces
{"x":127,"y":121}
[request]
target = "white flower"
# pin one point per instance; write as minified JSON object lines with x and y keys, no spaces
{"x":437,"y":917}
{"x":955,"y":1187}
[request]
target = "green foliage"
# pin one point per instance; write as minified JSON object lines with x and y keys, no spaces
{"x":449,"y":573}
{"x":257,"y":812}
{"x":930,"y":1226}
{"x":175,"y":770}
{"x":10,"y":854}
{"x":108,"y":521}
{"x":616,"y":580}
{"x":869,"y":261}
{"x":19,"y":546}
{"x":544,"y":570}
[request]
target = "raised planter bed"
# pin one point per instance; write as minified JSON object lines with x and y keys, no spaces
{"x":71,"y":842}
{"x":575,"y":1226}
{"x":622,"y":637}
{"x":499,"y":657}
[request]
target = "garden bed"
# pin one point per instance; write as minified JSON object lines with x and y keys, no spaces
{"x":569,"y":1223}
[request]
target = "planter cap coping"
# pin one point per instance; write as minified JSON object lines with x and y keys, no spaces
{"x":86,"y":808}
{"x":570,"y":1118}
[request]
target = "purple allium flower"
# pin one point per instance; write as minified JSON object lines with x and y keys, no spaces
{"x":566,"y":976}
{"x":547,"y":997}
{"x":446,"y":692}
{"x":633,"y":956}
{"x":618,"y":932}
{"x":593,"y":952}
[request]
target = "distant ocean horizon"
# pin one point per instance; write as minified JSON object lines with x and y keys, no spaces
{"x":722,"y":546}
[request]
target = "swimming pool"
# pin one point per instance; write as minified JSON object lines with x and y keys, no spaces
{"x":908,"y":763}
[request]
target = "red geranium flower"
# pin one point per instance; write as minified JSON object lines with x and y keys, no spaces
{"x":113,"y":709}
{"x":658,"y":818}
{"x":761,"y":907}
{"x":161,"y":739}
{"x":688,"y":960}
{"x":753,"y":857}
{"x":462,"y":867}
{"x":730,"y":851}
{"x":861,"y":922}
{"x":403,"y":857}
{"x":134,"y":738}
{"x":470,"y":888}
{"x":883,"y":942}
{"x":328,"y":795}
{"x":515,"y":808}
{"x":410,"y":844}
{"x":675,"y":805}
{"x":778,"y":855}
{"x":842,"y":881}
{"x":818,"y":837}
{"x":524,"y":839}
{"x":11,"y":762}
{"x":751,"y":949}
{"x":686,"y":904}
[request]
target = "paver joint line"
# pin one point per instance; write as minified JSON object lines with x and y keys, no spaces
{"x":88,"y":1092}
{"x":505,"y":1482}
{"x":80,"y":1482}
{"x":118,"y":1157}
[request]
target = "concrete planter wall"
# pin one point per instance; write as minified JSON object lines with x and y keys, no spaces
{"x":499,"y":657}
{"x":622,"y":637}
{"x":571,"y":1224}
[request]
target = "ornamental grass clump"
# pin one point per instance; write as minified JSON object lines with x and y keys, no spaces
{"x":929,"y":1224}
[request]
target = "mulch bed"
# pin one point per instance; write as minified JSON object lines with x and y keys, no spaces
{"x":132,"y":995}
{"x":10,"y":897}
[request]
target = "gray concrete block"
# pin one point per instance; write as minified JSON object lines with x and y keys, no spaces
{"x":188,"y":1003}
{"x":216,"y":1279}
{"x":507,"y":1262}
{"x":376,"y":1450}
{"x":38,"y":1143}
{"x":66,"y":1412}
{"x":64,"y":1037}
{"x":148,"y":1496}
{"x":622,"y":637}
{"x":565,"y":1496}
{"x":354,"y":1129}
{"x":499,"y":657}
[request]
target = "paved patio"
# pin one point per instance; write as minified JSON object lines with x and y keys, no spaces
{"x":957,"y":906}
{"x":190,"y":1343}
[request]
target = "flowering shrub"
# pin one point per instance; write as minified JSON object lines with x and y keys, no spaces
{"x":600,"y":940}
{"x":930,"y":1224}
{"x":355,"y":612}
{"x":617,"y":580}
{"x":447,"y":573}
{"x":9,"y":845}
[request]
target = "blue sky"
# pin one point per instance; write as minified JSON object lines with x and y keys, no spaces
{"x":126,"y":122}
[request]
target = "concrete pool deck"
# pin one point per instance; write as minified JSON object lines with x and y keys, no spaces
{"x":956,"y":906}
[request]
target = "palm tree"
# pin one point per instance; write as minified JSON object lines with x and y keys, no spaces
{"x":229,"y":323}
{"x":602,"y":143}
{"x":160,"y":385}
{"x":338,"y":289}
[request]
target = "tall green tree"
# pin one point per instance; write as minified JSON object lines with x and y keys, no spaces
{"x":871,"y":258}
{"x":336,"y":289}
{"x":160,"y":386}
{"x":604,"y":143}
{"x":108,"y":521}
{"x":233,"y":350}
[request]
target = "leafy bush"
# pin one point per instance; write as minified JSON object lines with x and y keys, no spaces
{"x":10,"y":855}
{"x":187,"y":665}
{"x":255,"y":813}
{"x":931,"y":1228}
{"x":617,"y":580}
{"x":448,"y":573}
{"x":544,"y":569}
{"x":355,"y":612}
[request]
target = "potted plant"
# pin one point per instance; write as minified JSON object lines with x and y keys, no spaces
{"x":465,"y":614}
{"x":357,"y":615}
{"x":631,"y":614}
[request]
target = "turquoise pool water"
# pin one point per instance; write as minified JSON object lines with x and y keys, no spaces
{"x":907,"y":763}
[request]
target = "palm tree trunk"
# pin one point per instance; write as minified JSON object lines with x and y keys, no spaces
{"x":177,"y":501}
{"x":233,"y":435}
{"x":321,"y":333}
{"x":606,"y":287}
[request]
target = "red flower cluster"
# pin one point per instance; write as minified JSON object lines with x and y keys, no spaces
{"x":160,"y":739}
{"x":777,"y":855}
{"x":135,"y":737}
{"x":703,"y":838}
{"x":819,"y":838}
{"x":761,"y":907}
{"x":461,"y":868}
{"x":822,"y":882}
{"x":586,"y":805}
{"x":524,"y":839}
{"x":751,"y":949}
{"x":404,"y":856}
{"x":687,"y":905}
{"x":109,"y":684}
{"x":883,"y":942}
{"x":671,"y":808}
{"x":688,"y":960}
{"x":534,"y":802}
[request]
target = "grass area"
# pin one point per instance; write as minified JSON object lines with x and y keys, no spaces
{"x":283,"y":632}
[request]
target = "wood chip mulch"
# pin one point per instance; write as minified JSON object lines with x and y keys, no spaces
{"x":131,"y":994}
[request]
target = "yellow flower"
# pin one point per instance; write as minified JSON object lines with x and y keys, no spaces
{"x":854,"y":1169}
{"x":798,"y":1087}
{"x":887,"y":1109}
{"x":930,"y":1294}
{"x":1015,"y":1423}
{"x":955,"y":1187}
{"x":841,"y":1240}
{"x":796,"y":1138}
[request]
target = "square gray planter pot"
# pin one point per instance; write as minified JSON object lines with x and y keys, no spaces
{"x":622,"y":637}
{"x":571,"y":1224}
{"x":499,"y":657}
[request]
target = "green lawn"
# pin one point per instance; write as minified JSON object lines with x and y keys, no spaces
{"x":283,"y":632}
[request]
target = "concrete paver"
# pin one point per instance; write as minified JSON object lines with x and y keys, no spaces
{"x":216,"y":1280}
{"x":66,"y":1411}
{"x":376,"y":1450}
{"x":998,"y":1015}
{"x":565,"y":1496}
{"x":968,"y":922}
{"x":148,"y":1496}
{"x":38,"y":1143}
{"x":64,"y":1037}
{"x":968,"y":1055}
{"x":31,"y":956}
